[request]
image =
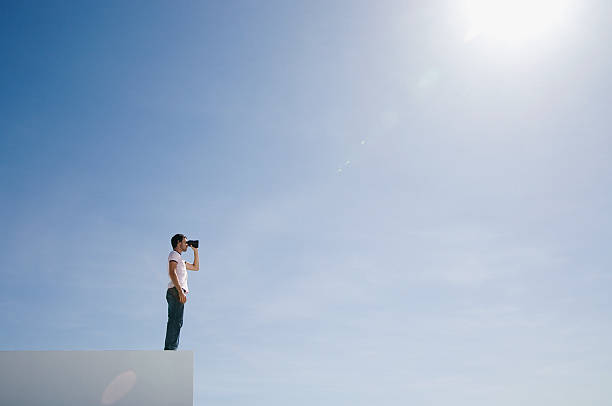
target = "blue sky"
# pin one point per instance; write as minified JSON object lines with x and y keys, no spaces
{"x":388,"y":213}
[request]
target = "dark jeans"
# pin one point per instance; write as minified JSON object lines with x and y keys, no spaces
{"x":175,"y":319}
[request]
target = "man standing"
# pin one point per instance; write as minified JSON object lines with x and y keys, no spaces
{"x":177,"y":288}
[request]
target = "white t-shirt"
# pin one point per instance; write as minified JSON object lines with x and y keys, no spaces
{"x":181,"y":270}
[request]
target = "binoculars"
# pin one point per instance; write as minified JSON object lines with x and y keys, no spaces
{"x":193,"y":243}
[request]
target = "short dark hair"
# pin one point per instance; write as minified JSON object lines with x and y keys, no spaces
{"x":176,"y":239}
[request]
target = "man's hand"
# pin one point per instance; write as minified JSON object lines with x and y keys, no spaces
{"x":182,"y":297}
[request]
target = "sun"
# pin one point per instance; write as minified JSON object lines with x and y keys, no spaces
{"x":514,"y":20}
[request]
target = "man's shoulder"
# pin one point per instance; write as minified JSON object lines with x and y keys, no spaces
{"x":174,"y":256}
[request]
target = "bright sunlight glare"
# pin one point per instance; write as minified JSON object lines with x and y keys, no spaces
{"x":514,"y":20}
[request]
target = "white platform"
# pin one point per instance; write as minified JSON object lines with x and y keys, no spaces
{"x":77,"y":378}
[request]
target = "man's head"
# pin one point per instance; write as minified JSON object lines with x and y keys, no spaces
{"x":179,"y":242}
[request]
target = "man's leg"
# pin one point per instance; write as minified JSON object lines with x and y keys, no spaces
{"x":175,"y":319}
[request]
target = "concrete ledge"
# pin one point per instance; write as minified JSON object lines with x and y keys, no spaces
{"x":76,"y":378}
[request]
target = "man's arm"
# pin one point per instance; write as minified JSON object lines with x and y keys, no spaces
{"x":196,"y":261}
{"x":174,"y":278}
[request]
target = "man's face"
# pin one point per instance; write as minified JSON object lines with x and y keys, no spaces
{"x":183,"y":245}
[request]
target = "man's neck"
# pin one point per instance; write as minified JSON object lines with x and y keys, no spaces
{"x":179,"y":252}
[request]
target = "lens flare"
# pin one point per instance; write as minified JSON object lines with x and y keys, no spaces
{"x":119,"y":387}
